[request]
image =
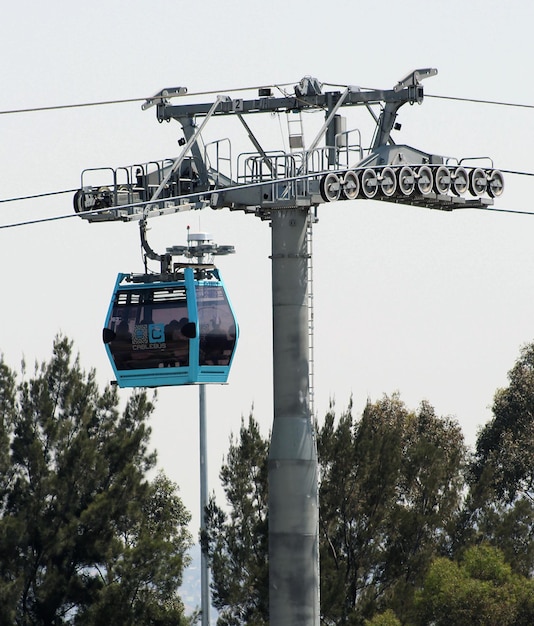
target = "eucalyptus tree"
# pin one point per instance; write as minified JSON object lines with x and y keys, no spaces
{"x":500,"y":505}
{"x":391,"y":486}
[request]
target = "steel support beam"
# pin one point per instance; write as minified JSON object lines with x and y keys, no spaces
{"x":291,"y":103}
{"x":192,"y":133}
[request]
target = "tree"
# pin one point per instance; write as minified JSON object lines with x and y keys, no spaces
{"x":480,"y":589}
{"x":144,"y":567}
{"x":391,"y":483}
{"x":387,"y":618}
{"x":83,"y":533}
{"x":505,"y":446}
{"x":500,"y":505}
{"x":237,"y":542}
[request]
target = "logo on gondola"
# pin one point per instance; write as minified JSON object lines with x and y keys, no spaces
{"x":156,"y":333}
{"x":140,"y":334}
{"x":148,"y":336}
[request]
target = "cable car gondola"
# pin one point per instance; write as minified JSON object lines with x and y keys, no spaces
{"x":176,"y":329}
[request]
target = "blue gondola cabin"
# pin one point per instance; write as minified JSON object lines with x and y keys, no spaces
{"x":170,"y":332}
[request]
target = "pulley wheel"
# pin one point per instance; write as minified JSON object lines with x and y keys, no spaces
{"x":369,"y":183}
{"x":495,"y":183}
{"x":330,"y":187}
{"x":460,"y":181}
{"x":424,"y":180}
{"x":79,"y":201}
{"x":406,"y":180}
{"x":478,"y":182}
{"x":104,"y":199}
{"x":351,"y":185}
{"x":442,"y":180}
{"x":388,"y":182}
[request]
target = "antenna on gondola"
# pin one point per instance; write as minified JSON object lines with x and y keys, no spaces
{"x":200,"y":250}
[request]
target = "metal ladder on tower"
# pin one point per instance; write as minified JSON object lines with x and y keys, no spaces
{"x":312,"y":218}
{"x":295,"y":131}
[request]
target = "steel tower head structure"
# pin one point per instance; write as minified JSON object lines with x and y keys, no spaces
{"x":285,"y":187}
{"x":336,"y":165}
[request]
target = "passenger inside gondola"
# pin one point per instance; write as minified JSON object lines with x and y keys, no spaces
{"x":214,"y":345}
{"x":122,"y":345}
{"x":176,"y":343}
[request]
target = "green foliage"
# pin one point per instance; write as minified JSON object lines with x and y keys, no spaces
{"x":145,"y":562}
{"x":388,"y":618}
{"x":500,"y":505}
{"x":391,"y":484}
{"x":236,"y":542}
{"x":505,"y":446}
{"x":84,"y":537}
{"x":394,"y":502}
{"x":480,"y":589}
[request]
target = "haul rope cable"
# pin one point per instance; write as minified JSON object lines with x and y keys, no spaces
{"x":237,"y":89}
{"x":145,"y":99}
{"x":211,"y":92}
{"x":107,"y":210}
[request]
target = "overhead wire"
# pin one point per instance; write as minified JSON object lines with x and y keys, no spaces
{"x":482,"y":101}
{"x":278,"y":86}
{"x":201,"y":194}
{"x":501,"y":210}
{"x":517,"y":172}
{"x":58,"y":107}
{"x":39,"y":220}
{"x":56,"y":218}
{"x":63,"y":191}
{"x":79,"y":105}
{"x":453,"y":98}
{"x":38,"y":195}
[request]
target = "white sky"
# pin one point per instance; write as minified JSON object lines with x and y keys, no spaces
{"x":434,"y":305}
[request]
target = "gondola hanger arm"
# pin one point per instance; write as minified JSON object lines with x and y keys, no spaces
{"x":164,"y":259}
